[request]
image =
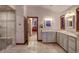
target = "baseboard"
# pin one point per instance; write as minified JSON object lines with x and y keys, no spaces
{"x":62,"y":48}
{"x":49,"y":42}
{"x":39,"y":40}
{"x":22,"y":43}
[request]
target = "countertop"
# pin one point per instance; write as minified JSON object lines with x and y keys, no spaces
{"x":64,"y":32}
{"x":48,"y":31}
{"x":69,"y":33}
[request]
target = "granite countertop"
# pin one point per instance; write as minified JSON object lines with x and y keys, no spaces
{"x":69,"y":33}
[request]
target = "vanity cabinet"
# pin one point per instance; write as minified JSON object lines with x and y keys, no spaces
{"x":49,"y":37}
{"x":68,"y":42}
{"x":62,"y":40}
{"x":72,"y":44}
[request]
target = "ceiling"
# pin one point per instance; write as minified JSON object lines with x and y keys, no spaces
{"x":5,"y":7}
{"x":54,"y":8}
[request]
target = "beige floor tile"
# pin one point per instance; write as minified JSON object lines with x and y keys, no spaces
{"x":35,"y":47}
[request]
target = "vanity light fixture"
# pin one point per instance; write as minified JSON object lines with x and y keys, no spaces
{"x":69,"y":14}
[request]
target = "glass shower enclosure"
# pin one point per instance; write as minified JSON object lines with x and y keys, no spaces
{"x":7,"y":28}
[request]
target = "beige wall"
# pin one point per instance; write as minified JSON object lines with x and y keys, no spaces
{"x":70,"y":10}
{"x":41,"y":13}
{"x":20,"y":13}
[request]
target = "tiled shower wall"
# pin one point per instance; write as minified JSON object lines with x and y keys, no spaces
{"x":7,"y":27}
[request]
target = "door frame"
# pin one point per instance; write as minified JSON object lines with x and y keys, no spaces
{"x":77,"y":19}
{"x":61,"y":24}
{"x":37,"y":23}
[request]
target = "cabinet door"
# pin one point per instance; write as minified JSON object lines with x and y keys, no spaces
{"x":65,"y":42}
{"x":51,"y":37}
{"x":44,"y":39}
{"x":61,"y":40}
{"x":0,"y":44}
{"x":78,"y":44}
{"x":71,"y":45}
{"x":58,"y":37}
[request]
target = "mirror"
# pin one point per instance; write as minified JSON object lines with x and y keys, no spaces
{"x":62,"y":22}
{"x":71,"y":21}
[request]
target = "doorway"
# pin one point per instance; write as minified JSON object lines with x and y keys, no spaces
{"x":77,"y":19}
{"x":33,"y":27}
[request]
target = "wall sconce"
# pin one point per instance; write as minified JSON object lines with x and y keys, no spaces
{"x":41,"y":26}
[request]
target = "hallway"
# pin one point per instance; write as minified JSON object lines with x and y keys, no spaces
{"x":34,"y":47}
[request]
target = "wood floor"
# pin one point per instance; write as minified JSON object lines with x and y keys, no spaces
{"x":34,"y":47}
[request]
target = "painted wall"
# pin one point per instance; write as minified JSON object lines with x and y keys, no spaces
{"x":20,"y":13}
{"x":41,"y":13}
{"x":70,"y":10}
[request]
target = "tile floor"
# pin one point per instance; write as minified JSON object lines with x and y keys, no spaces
{"x":34,"y":47}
